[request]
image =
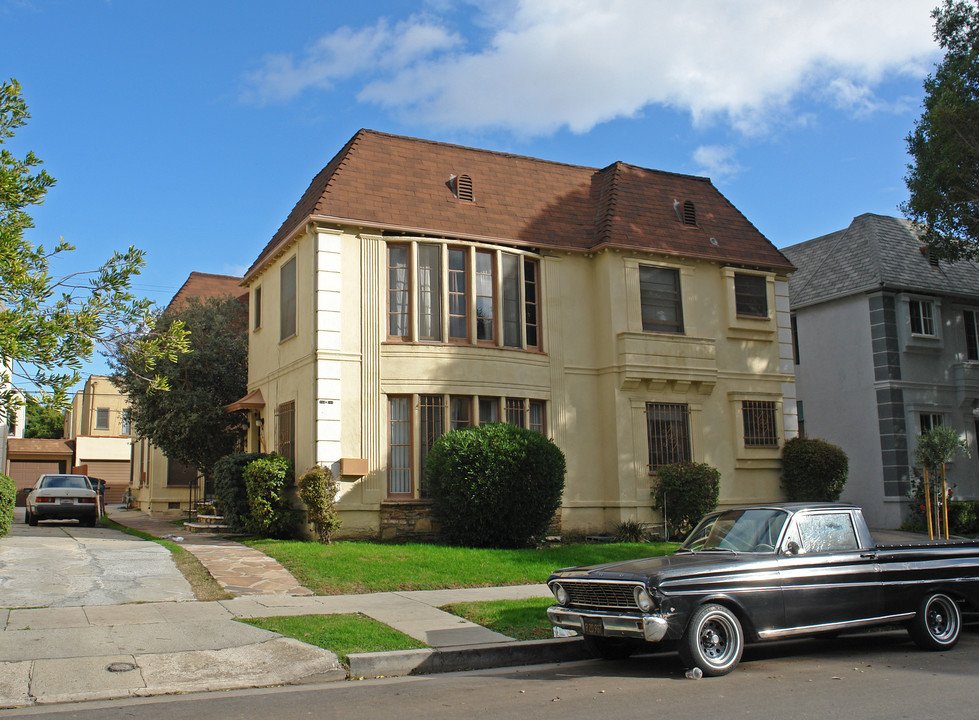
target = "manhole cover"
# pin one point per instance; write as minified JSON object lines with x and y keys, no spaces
{"x":121,"y":667}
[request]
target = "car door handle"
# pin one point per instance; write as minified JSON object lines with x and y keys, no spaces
{"x":869,"y":556}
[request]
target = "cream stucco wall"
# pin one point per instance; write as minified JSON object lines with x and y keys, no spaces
{"x":595,"y":373}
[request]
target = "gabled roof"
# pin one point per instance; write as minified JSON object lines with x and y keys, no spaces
{"x":398,"y":184}
{"x":874,"y":252}
{"x":206,"y":285}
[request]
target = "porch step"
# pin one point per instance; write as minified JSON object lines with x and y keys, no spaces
{"x":199,"y":527}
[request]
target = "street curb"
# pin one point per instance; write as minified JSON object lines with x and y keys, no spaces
{"x":469,"y":657}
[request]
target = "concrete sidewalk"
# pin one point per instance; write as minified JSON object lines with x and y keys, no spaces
{"x":53,"y":655}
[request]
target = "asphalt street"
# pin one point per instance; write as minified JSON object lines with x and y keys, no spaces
{"x":873,"y":676}
{"x":63,"y":564}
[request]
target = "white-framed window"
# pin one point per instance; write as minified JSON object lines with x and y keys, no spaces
{"x":928,"y":421}
{"x":922,"y":315}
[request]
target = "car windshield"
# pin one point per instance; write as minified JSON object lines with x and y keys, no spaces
{"x":754,"y":530}
{"x":77,"y":482}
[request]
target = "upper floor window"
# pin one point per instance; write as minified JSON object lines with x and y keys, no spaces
{"x":922,"y":317}
{"x":659,"y":291}
{"x":442,"y":293}
{"x":760,"y":429}
{"x":971,"y":334}
{"x":257,"y":307}
{"x":287,"y":299}
{"x":751,"y":295}
{"x":102,"y":418}
{"x":794,"y":326}
{"x":126,"y":424}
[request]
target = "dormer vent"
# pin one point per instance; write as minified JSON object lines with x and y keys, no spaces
{"x":689,"y":213}
{"x":929,"y":255}
{"x":462,"y":186}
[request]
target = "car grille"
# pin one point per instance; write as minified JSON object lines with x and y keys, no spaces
{"x":601,"y":594}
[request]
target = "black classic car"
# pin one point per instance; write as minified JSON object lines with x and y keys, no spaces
{"x":764,"y":573}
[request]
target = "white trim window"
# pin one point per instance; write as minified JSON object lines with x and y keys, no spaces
{"x":922,"y":314}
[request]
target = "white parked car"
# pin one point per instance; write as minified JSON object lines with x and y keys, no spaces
{"x":62,"y":497}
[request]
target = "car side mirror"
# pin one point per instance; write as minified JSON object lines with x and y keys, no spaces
{"x":792,"y":548}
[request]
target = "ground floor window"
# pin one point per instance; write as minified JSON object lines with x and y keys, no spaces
{"x":930,"y":421}
{"x":285,"y":420}
{"x":760,"y":427}
{"x":415,"y":422}
{"x":668,"y":434}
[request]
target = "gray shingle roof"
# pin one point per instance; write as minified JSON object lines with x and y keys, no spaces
{"x":875,"y":251}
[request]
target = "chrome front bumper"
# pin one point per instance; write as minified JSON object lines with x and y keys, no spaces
{"x":651,"y":628}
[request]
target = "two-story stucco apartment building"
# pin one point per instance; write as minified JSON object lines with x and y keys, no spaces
{"x":634,"y":316}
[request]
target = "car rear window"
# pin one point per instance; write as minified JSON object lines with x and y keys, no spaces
{"x":76,"y":482}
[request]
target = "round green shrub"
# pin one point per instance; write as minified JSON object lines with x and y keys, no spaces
{"x":318,"y":490}
{"x":494,"y":485}
{"x":267,"y":481}
{"x":813,"y":470}
{"x":690,"y":491}
{"x":8,"y":498}
{"x":229,"y":488}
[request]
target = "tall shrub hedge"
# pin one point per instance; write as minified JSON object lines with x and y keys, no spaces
{"x":229,"y":488}
{"x":318,"y":490}
{"x":685,"y":492}
{"x":813,"y":470}
{"x":494,"y":485}
{"x":268,"y":481}
{"x":8,"y":497}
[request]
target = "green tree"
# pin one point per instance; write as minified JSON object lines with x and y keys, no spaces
{"x":43,"y":421}
{"x":189,"y":423}
{"x":49,"y":327}
{"x":943,"y":178}
{"x":938,"y":446}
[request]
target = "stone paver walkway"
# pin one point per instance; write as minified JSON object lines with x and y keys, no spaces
{"x":239,"y":569}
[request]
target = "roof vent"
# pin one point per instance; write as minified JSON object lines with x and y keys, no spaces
{"x":713,"y":241}
{"x":462,"y":186}
{"x":929,"y":255}
{"x":689,"y":213}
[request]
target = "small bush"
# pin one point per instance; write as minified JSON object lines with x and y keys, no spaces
{"x":690,"y":490}
{"x":8,"y":498}
{"x":630,"y":531}
{"x":229,"y":488}
{"x":813,"y":470}
{"x":267,"y":481}
{"x":494,"y":485}
{"x":318,"y":490}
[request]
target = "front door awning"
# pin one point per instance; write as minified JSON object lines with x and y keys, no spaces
{"x":251,"y":401}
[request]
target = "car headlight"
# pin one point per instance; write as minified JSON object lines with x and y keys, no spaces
{"x":560,"y":594}
{"x":643,"y":599}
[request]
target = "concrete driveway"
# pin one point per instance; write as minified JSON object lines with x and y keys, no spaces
{"x":63,"y":564}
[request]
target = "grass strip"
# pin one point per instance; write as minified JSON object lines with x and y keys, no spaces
{"x":363,"y":567}
{"x":205,"y":587}
{"x":520,"y":619}
{"x":340,"y":634}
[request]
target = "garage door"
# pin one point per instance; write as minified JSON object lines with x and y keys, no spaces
{"x":116,"y":476}
{"x":25,"y":473}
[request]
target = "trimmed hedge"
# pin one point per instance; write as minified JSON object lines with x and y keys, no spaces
{"x":230,"y":494}
{"x":494,"y":485}
{"x":691,"y":490}
{"x":267,"y":481}
{"x":813,"y":470}
{"x":8,"y":498}
{"x":318,"y":490}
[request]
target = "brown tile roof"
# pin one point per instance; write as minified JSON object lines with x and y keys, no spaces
{"x":39,"y":446}
{"x":205,"y":285}
{"x":394,"y":183}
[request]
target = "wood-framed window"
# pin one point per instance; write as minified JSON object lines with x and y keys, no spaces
{"x":400,"y":446}
{"x":460,"y":411}
{"x":257,"y":308}
{"x":536,"y":420}
{"x":285,"y":421}
{"x":531,"y":270}
{"x":485,"y":296}
{"x":971,"y":322}
{"x":489,"y":410}
{"x":432,"y":420}
{"x":760,"y":426}
{"x":458,"y":294}
{"x":430,"y":292}
{"x":668,"y":434}
{"x":662,"y":306}
{"x":399,"y":312}
{"x":922,"y":314}
{"x":287,"y":299}
{"x":515,"y":413}
{"x":751,"y":295}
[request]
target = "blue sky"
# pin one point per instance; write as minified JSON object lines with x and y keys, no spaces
{"x":190,"y":129}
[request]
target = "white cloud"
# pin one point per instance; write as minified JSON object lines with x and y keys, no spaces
{"x":716,"y":162}
{"x":549,"y":64}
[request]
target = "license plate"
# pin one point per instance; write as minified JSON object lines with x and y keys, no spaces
{"x":592,"y":626}
{"x":67,"y":501}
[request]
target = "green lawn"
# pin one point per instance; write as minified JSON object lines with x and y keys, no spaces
{"x":340,"y":634}
{"x":520,"y":619}
{"x":361,"y":567}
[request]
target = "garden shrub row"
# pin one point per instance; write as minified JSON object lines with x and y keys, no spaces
{"x":8,"y":497}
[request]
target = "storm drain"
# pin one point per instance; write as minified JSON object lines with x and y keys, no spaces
{"x":120,"y":667}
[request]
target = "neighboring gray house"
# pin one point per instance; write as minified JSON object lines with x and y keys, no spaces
{"x":886,"y":345}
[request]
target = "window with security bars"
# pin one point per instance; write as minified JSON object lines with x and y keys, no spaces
{"x":668,"y":432}
{"x":759,"y":423}
{"x":515,"y":412}
{"x":285,"y":418}
{"x":432,"y":420}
